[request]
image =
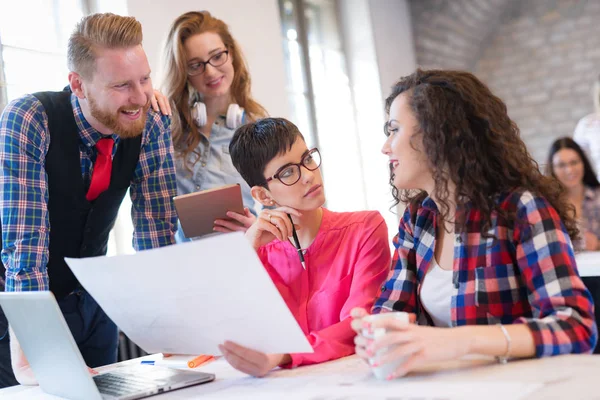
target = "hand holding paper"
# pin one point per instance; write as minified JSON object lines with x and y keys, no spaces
{"x":250,"y":361}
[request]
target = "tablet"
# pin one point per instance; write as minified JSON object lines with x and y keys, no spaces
{"x":198,"y":211}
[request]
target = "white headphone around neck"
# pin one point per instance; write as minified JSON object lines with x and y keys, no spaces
{"x":233,"y":119}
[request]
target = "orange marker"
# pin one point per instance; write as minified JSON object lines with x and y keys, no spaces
{"x":198,"y":361}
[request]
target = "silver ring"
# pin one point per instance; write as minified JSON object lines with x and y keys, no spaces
{"x":270,"y":218}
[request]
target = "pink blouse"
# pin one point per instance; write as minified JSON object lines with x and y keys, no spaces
{"x":345,"y":267}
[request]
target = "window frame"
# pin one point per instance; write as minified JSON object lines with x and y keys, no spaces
{"x":87,"y":7}
{"x":3,"y":91}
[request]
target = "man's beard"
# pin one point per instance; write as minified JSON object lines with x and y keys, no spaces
{"x":111,"y":120}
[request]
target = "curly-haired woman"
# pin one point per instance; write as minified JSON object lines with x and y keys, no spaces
{"x":484,"y":246}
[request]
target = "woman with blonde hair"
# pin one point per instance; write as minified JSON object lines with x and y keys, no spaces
{"x":208,"y":83}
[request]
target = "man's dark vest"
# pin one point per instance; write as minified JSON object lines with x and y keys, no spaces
{"x":78,"y":228}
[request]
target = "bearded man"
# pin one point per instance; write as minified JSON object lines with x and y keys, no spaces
{"x":67,"y":160}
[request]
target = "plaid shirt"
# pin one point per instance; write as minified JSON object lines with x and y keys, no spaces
{"x":527,"y":275}
{"x":24,"y":142}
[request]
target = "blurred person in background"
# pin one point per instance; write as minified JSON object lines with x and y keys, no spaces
{"x":587,"y":131}
{"x":568,"y":163}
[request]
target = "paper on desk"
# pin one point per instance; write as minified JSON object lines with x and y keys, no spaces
{"x":188,"y":298}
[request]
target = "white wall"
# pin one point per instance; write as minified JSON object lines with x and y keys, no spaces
{"x":254,"y":24}
{"x":394,"y":44}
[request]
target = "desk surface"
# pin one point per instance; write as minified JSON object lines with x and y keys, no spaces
{"x":588,"y":263}
{"x":570,"y":376}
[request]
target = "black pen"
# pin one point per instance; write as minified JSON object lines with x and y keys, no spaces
{"x":295,"y":235}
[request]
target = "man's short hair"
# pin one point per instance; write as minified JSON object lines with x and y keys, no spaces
{"x":255,"y":144}
{"x":96,"y":31}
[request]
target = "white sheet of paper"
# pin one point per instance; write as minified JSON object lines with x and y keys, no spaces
{"x":189,"y":298}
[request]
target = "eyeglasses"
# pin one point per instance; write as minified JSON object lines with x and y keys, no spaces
{"x":198,"y":67}
{"x":563,"y":165}
{"x":289,"y":174}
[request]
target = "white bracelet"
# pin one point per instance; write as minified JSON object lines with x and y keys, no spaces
{"x":504,"y":359}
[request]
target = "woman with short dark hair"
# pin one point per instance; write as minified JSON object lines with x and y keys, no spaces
{"x":334,"y":262}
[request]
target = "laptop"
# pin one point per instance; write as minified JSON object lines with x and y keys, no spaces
{"x":197,"y":211}
{"x":59,"y":367}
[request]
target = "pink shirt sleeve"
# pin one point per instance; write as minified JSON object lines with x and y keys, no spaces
{"x":370,"y":270}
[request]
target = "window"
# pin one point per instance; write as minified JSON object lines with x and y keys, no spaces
{"x":341,"y":116}
{"x":34,"y":50}
{"x":299,"y":81}
{"x":324,"y":81}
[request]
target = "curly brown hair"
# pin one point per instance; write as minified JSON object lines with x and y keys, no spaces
{"x":470,"y":140}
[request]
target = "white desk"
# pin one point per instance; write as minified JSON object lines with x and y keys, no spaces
{"x":588,"y":263}
{"x":570,"y":376}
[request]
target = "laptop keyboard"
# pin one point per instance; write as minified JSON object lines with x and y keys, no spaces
{"x":118,"y":385}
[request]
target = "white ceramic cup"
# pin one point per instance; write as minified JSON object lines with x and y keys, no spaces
{"x":383,"y":371}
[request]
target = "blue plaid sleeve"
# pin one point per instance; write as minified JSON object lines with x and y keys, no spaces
{"x":563,"y":320}
{"x":154,"y":186}
{"x":399,"y":293}
{"x":24,"y":143}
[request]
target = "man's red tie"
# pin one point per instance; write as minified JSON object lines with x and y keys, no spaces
{"x":102,"y":168}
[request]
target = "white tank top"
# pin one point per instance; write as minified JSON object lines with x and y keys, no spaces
{"x":436,"y":294}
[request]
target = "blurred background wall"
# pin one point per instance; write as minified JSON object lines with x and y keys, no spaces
{"x":540,"y":56}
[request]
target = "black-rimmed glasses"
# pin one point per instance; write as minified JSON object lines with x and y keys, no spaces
{"x":198,"y":67}
{"x":291,"y":173}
